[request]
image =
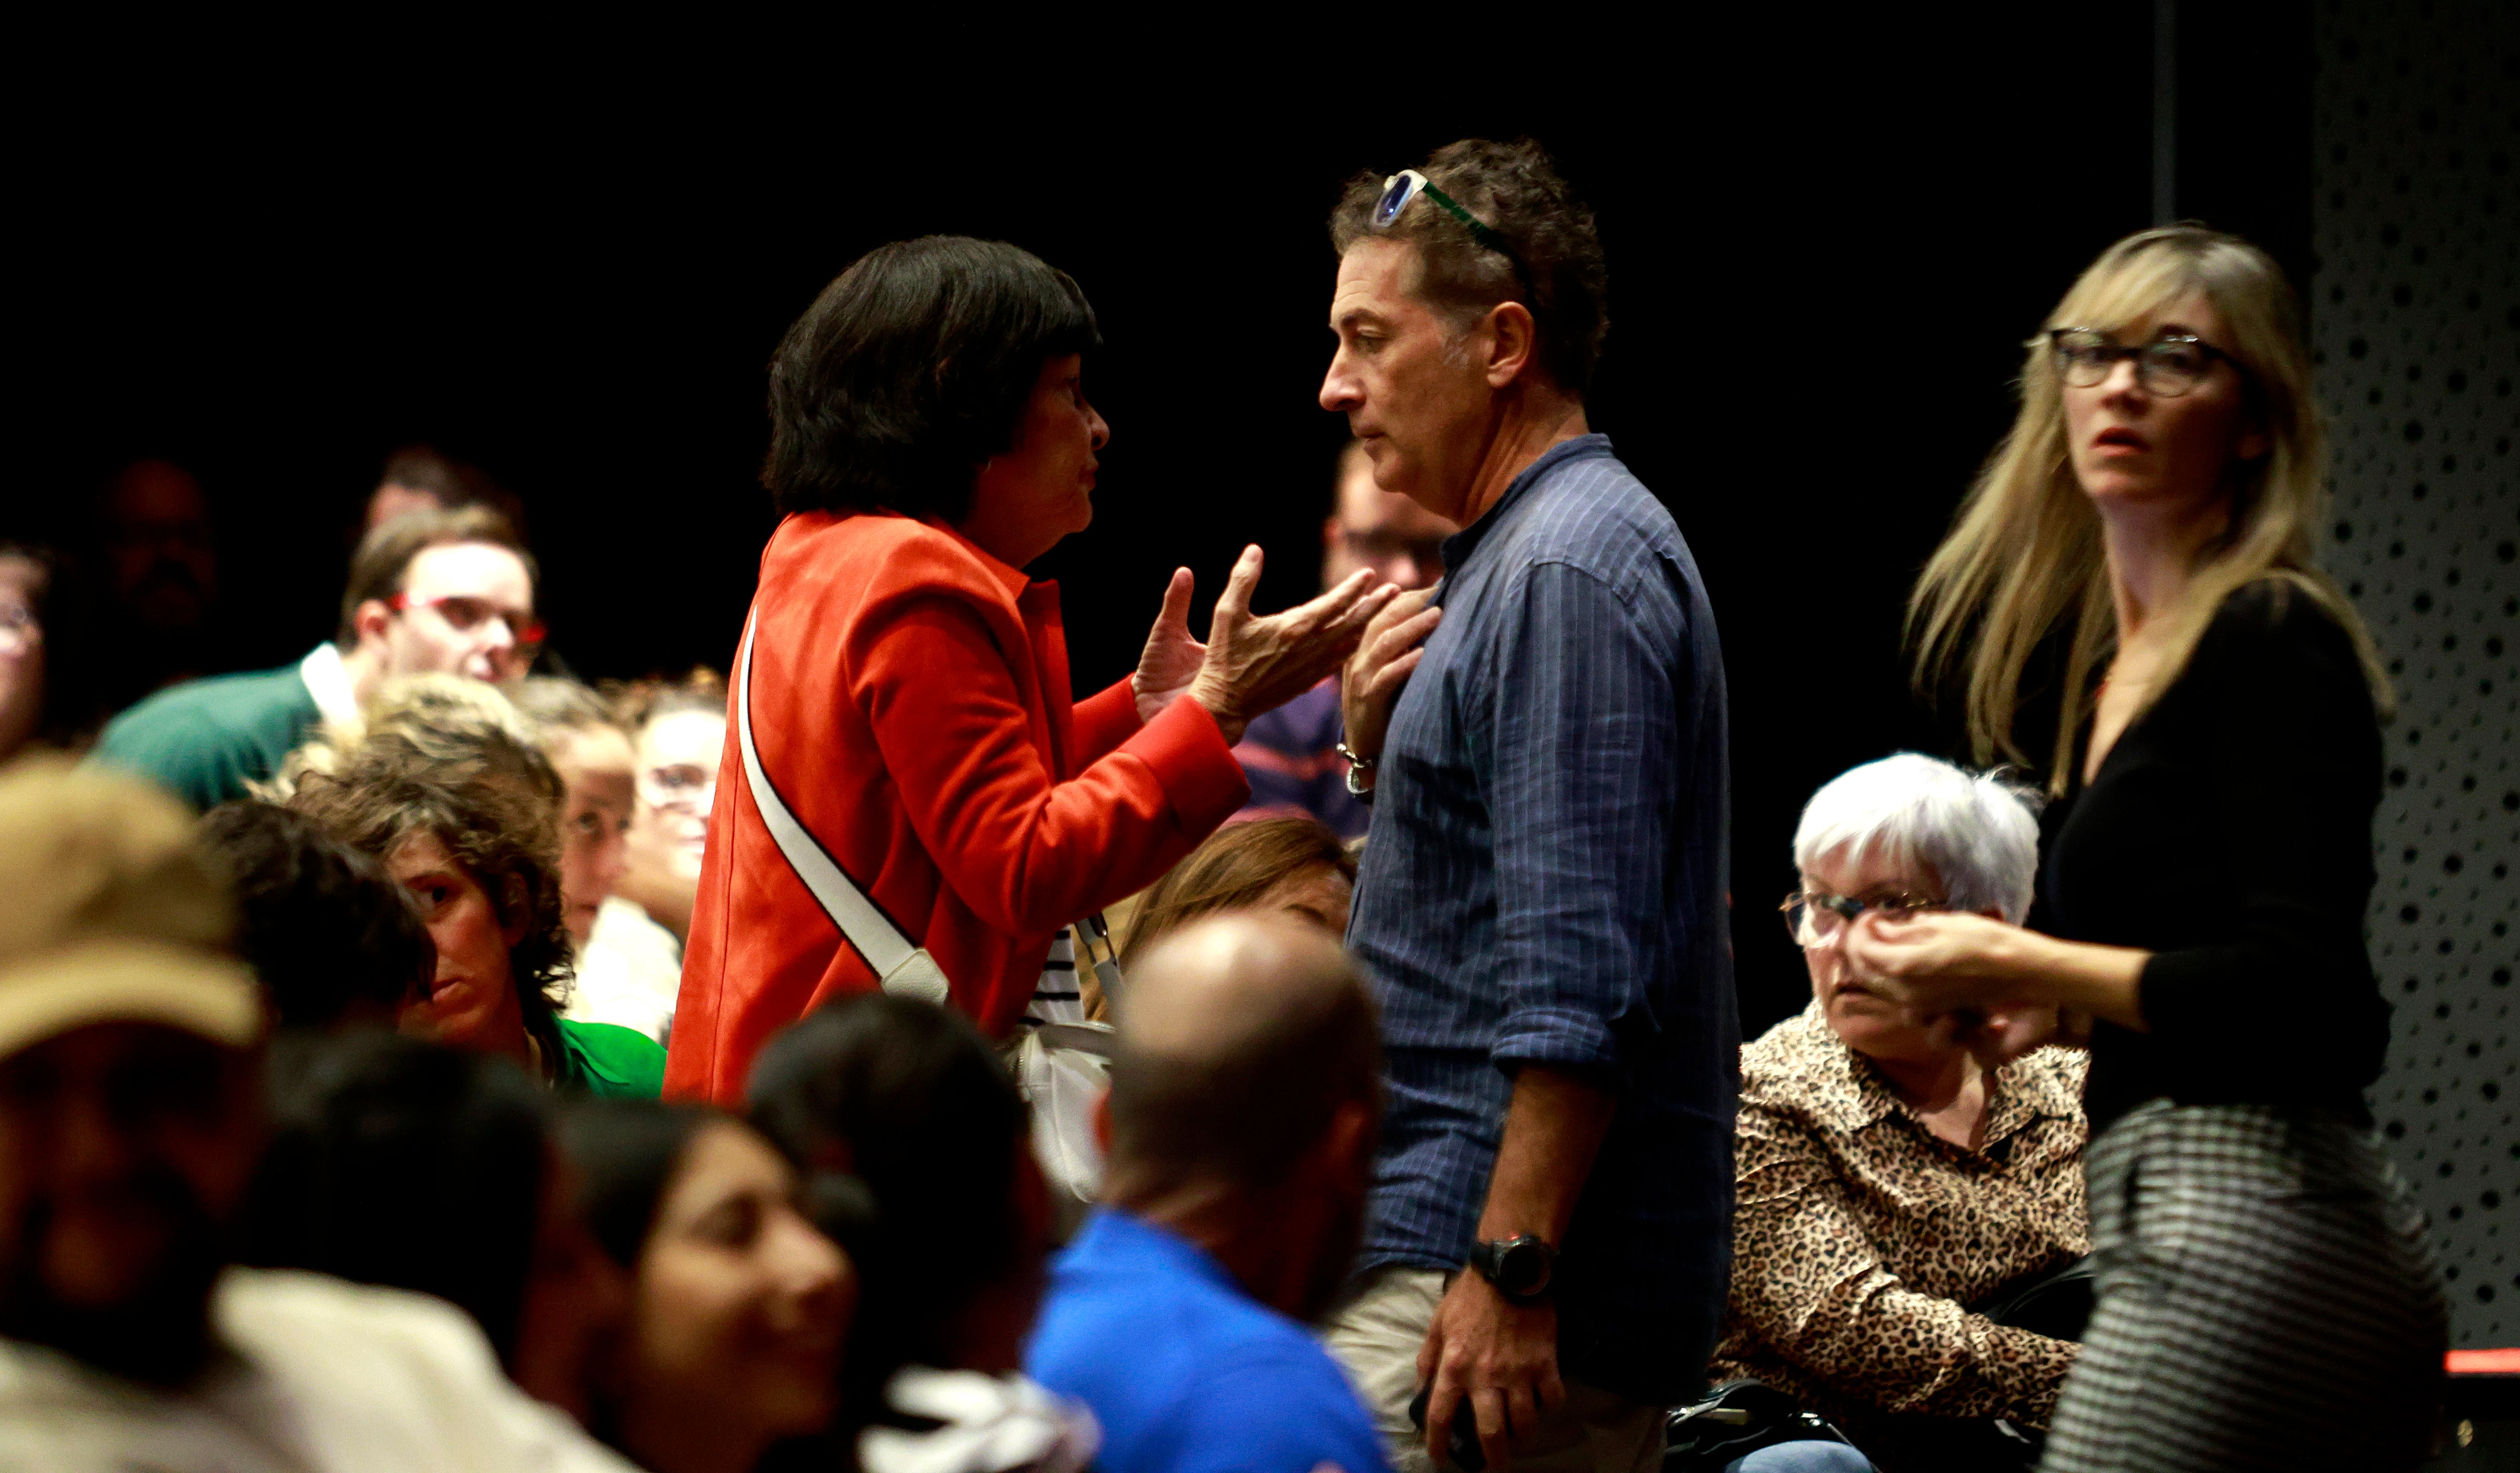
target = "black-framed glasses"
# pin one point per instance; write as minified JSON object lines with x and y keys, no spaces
{"x":1409,"y":184}
{"x":1376,"y":548}
{"x":2170,"y":365}
{"x":1815,"y":920}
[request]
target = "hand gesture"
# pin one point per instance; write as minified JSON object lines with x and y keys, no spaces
{"x":1172,"y":659}
{"x":1252,"y":663}
{"x":1502,"y":1357}
{"x":1380,"y":667}
{"x":1946,"y":970}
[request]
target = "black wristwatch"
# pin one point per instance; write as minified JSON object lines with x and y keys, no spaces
{"x":1520,"y":1266}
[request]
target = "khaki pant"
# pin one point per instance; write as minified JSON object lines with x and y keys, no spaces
{"x":1376,"y":1337}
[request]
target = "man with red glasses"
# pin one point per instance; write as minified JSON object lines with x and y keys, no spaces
{"x":429,"y":592}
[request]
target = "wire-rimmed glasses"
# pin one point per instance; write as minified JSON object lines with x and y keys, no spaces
{"x":1813,"y":919}
{"x":2170,"y":365}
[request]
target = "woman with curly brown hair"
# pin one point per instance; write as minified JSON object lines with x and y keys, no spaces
{"x":465,"y":815}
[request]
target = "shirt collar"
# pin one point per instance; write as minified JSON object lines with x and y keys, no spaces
{"x":329,"y":685}
{"x":1110,"y":1233}
{"x":1854,"y":1096}
{"x":1459,"y":547}
{"x":1015,"y":579}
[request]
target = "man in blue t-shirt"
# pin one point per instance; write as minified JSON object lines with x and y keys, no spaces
{"x":1242,"y":1125}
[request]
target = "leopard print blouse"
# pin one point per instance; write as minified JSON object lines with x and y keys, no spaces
{"x":1859,"y":1235}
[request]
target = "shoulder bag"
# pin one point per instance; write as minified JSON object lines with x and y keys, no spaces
{"x":1059,"y":1063}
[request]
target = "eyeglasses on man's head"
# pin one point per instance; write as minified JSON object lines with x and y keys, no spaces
{"x":2168,"y":365}
{"x":1409,"y":184}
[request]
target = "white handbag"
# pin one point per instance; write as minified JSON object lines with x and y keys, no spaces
{"x":1060,"y":1063}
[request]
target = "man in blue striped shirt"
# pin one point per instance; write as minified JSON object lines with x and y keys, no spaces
{"x":1541,"y":907}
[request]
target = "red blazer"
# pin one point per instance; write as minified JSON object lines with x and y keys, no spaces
{"x":909,"y":701}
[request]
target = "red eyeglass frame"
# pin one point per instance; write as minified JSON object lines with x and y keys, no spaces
{"x":528,"y":634}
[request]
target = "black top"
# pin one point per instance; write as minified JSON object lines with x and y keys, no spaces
{"x":2229,"y":832}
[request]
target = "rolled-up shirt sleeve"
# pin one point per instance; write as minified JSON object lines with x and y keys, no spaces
{"x":1586,"y":726}
{"x":1809,"y":1282}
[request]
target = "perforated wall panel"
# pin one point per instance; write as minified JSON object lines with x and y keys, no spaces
{"x":2415,"y":303}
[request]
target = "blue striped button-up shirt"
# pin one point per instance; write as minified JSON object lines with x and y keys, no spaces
{"x":1545,"y":882}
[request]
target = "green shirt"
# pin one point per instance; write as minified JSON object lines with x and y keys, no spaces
{"x":604,"y":1059}
{"x":204,"y":739}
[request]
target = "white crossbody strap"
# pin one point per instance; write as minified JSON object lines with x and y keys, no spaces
{"x":906,"y":969}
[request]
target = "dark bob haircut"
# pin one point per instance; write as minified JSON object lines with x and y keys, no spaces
{"x":911,"y":370}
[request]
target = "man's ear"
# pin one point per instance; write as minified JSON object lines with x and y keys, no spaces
{"x":370,"y":620}
{"x":1512,"y":339}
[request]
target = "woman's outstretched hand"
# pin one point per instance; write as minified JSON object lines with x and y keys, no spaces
{"x":1250,"y":663}
{"x":1172,"y":659}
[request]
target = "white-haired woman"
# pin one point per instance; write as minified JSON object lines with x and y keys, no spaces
{"x":1886,"y":1179}
{"x":2266,"y":1297}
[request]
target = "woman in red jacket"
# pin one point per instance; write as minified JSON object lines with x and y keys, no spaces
{"x":907,"y":684}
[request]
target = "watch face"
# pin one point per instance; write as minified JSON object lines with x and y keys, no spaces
{"x":1523,"y":1268}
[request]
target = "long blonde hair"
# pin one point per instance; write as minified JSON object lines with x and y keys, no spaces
{"x":2025,"y":554}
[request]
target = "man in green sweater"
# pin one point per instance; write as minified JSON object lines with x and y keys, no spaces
{"x":449,"y":591}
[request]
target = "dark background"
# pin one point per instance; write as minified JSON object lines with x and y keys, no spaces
{"x":570,"y":265}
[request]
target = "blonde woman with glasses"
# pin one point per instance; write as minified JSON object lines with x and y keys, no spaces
{"x":2266,"y":1298}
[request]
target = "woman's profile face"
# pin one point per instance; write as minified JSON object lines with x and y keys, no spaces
{"x":597,"y":770}
{"x":740,"y":1303}
{"x":2131,"y":446}
{"x":1867,"y":1022}
{"x":471,"y":1001}
{"x":1040,"y":488}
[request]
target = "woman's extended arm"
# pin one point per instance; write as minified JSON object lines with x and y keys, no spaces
{"x":1938,"y":962}
{"x":1026,"y":851}
{"x":2287,"y":753}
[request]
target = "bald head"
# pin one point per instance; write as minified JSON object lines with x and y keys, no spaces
{"x":1241,"y":1038}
